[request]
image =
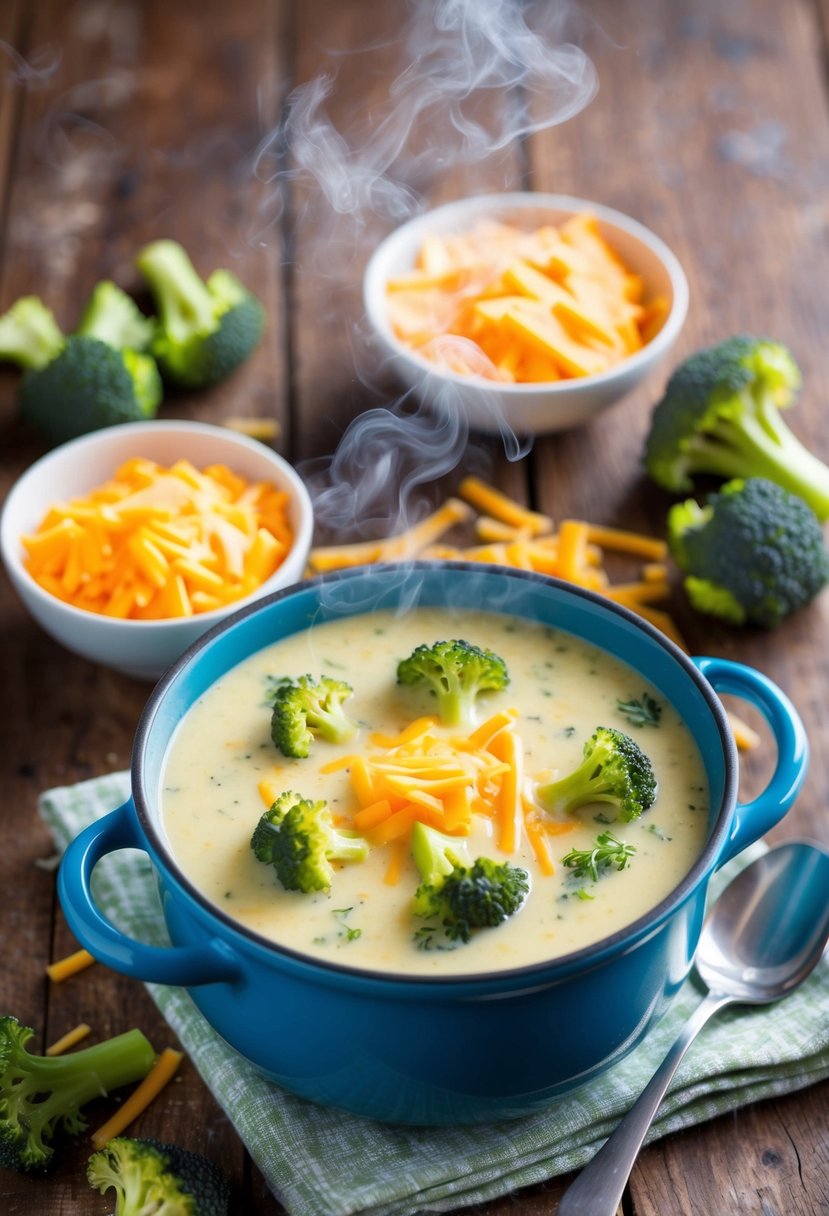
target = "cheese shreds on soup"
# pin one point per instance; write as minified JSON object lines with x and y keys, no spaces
{"x":562,"y":689}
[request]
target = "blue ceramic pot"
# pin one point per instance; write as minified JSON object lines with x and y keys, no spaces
{"x":419,"y":1049}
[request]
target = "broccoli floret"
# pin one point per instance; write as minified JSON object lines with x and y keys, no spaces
{"x":721,"y":415}
{"x":751,"y":555}
{"x":297,"y":837}
{"x":305,"y":709}
{"x":29,"y":334}
{"x":96,"y":377}
{"x":39,"y":1094}
{"x":460,"y":896}
{"x":154,"y":1179}
{"x":114,"y":317}
{"x":207,"y":329}
{"x":614,"y":770}
{"x":456,"y":672}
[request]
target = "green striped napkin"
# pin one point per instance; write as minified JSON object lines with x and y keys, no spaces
{"x":321,"y":1162}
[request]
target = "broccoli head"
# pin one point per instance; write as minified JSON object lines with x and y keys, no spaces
{"x":460,"y":896}
{"x":97,"y":377}
{"x":614,"y":770}
{"x":297,"y":837}
{"x":113,"y":317}
{"x":41,"y":1094}
{"x":305,"y":709}
{"x":751,"y":555}
{"x":721,"y":415}
{"x":456,"y":672}
{"x":29,"y":334}
{"x":206,"y":329}
{"x":153,"y":1179}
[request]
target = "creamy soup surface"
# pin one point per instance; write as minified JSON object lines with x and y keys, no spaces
{"x":563,"y":688}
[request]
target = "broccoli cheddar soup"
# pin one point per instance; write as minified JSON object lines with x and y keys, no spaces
{"x":439,"y":812}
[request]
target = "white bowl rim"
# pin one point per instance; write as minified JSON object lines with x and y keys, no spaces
{"x":10,"y":544}
{"x":481,"y":204}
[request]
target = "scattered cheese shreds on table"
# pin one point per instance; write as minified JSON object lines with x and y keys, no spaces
{"x":516,"y":306}
{"x":63,"y":968}
{"x":70,"y":1039}
{"x":518,"y":537}
{"x":264,"y":429}
{"x":157,"y":542}
{"x":156,"y":1079}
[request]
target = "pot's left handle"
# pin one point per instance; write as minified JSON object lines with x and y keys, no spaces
{"x":753,"y":819}
{"x":186,"y":965}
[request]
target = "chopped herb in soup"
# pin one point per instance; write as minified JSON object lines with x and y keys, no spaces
{"x":433,"y":795}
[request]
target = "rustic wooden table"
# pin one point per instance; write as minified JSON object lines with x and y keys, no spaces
{"x":121,"y":121}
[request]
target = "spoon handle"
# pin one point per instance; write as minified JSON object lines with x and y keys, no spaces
{"x":598,"y":1189}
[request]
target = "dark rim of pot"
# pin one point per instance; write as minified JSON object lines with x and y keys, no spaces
{"x":587,"y":955}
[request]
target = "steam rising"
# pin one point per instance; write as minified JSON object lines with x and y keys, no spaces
{"x":475,"y":77}
{"x":470,"y":80}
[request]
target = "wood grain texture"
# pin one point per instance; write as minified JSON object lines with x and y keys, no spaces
{"x":726,"y":158}
{"x":148,"y":126}
{"x":171,"y":119}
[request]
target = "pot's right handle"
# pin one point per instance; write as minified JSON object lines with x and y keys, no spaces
{"x":753,"y":819}
{"x":186,"y":965}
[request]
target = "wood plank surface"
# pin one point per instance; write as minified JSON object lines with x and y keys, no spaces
{"x":120,"y":123}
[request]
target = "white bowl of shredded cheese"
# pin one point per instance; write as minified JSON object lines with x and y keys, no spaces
{"x":131,"y":583}
{"x":522,"y":310}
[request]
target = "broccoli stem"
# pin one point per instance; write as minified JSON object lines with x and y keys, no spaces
{"x":346,"y":848}
{"x":185,"y":305}
{"x":29,"y":334}
{"x":584,"y":785}
{"x":70,"y":1081}
{"x":764,"y":446}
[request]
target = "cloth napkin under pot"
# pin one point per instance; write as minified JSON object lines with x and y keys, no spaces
{"x":322,"y":1162}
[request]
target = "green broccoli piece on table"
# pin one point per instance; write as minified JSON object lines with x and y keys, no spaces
{"x":304,"y":709}
{"x":751,"y":555}
{"x":462,"y":897}
{"x":457,"y":673}
{"x":29,"y":334}
{"x":206,"y":329}
{"x":154,"y":1179}
{"x":41,"y":1094}
{"x":96,"y":377}
{"x":297,"y":837}
{"x":721,"y":415}
{"x":614,"y":770}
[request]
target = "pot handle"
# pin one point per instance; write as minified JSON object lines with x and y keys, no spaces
{"x":185,"y":965}
{"x":753,"y":819}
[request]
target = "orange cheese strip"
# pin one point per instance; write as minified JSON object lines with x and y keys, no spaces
{"x":486,"y":498}
{"x":502,"y":303}
{"x":156,"y":542}
{"x":405,"y":544}
{"x":159,"y":1075}
{"x":64,"y":968}
{"x":70,"y":1039}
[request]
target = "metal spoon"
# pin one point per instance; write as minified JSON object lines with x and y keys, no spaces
{"x":762,"y":938}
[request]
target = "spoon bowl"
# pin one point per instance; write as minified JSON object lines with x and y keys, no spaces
{"x":768,"y":929}
{"x":762,"y":938}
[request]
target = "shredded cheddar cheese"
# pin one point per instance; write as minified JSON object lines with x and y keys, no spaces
{"x":405,"y":545}
{"x":157,"y":542}
{"x":70,"y":1039}
{"x":517,"y":537}
{"x":442,"y":781}
{"x":159,"y":1075}
{"x":64,"y":968}
{"x":518,"y":306}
